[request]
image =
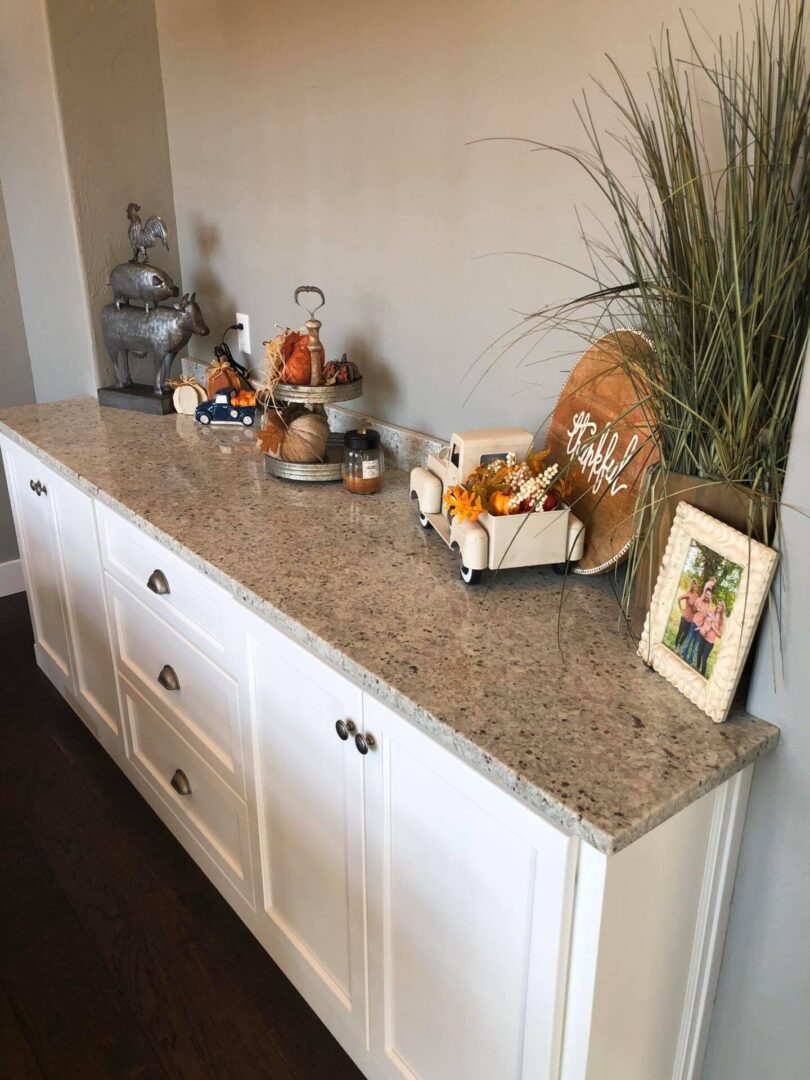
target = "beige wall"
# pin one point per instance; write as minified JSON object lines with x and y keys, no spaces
{"x":16,"y":383}
{"x":325,"y":143}
{"x":39,"y":205}
{"x":82,"y":133}
{"x":107,"y":67}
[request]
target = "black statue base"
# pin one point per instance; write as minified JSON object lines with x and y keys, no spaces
{"x":138,"y":398}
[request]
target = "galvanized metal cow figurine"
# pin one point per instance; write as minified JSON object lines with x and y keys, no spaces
{"x":158,"y":334}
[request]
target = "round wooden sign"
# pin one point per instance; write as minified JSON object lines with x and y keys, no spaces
{"x":599,"y":427}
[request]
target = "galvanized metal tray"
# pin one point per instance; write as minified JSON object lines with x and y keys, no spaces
{"x":321,"y":471}
{"x":318,"y":395}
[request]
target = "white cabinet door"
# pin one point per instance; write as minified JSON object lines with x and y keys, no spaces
{"x":31,"y":487}
{"x":469,"y":899}
{"x":309,"y":795}
{"x":94,"y":673}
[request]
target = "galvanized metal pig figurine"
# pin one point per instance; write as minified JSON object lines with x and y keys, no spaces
{"x":141,"y":281}
{"x":158,"y":334}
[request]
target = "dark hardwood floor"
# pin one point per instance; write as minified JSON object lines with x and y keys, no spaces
{"x":118,"y":958}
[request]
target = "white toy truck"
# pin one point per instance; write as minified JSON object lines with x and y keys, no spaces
{"x":492,"y":542}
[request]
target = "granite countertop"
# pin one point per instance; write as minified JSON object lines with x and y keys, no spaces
{"x":534,"y":687}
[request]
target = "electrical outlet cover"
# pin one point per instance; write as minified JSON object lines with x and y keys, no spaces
{"x":243,"y":340}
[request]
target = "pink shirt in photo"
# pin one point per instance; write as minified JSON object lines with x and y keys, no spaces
{"x":703,"y":609}
{"x":687,"y":602}
{"x":712,"y":628}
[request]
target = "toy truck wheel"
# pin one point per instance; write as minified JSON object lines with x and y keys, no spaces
{"x":423,"y":521}
{"x":205,"y":418}
{"x":470,"y":577}
{"x":247,"y":420}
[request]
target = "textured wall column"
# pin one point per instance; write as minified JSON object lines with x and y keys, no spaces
{"x":760,"y":1027}
{"x":82,"y":133}
{"x":39,"y":207}
{"x":16,"y":382}
{"x":107,"y":65}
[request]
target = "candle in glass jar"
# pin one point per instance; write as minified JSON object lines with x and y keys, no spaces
{"x":363,"y":462}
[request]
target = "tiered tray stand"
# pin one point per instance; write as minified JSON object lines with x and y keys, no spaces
{"x":315,"y":397}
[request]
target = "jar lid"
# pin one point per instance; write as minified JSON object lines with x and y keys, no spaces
{"x":362,"y":440}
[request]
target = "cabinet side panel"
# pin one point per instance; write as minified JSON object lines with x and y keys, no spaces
{"x":651,"y":909}
{"x":36,"y":534}
{"x":86,"y":606}
{"x":582,"y":962}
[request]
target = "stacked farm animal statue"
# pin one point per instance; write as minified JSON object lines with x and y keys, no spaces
{"x":153,"y":331}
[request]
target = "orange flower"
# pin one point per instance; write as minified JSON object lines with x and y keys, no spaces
{"x":462,"y":504}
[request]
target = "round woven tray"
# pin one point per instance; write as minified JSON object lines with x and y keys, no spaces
{"x":320,"y":471}
{"x":318,"y":395}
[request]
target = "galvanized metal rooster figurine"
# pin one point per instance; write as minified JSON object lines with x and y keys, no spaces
{"x":144,"y":236}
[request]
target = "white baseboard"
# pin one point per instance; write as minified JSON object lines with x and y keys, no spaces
{"x":11,"y":577}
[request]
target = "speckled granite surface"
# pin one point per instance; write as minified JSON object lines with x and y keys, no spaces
{"x":550,"y":701}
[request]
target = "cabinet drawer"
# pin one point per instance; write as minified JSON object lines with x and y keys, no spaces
{"x":210,"y":811}
{"x":204,"y":706}
{"x":195,"y":606}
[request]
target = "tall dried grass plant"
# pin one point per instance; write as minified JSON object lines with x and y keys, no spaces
{"x":707,"y":248}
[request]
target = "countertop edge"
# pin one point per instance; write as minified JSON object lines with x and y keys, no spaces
{"x":501,"y":775}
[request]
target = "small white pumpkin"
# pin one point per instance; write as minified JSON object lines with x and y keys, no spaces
{"x":304,"y":442}
{"x":187,"y":397}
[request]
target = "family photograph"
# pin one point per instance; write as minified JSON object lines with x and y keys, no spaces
{"x":706,"y":595}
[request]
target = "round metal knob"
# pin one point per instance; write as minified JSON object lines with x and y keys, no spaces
{"x":157,"y":583}
{"x":180,"y":783}
{"x":168,"y":678}
{"x":345,"y":728}
{"x":364,"y":743}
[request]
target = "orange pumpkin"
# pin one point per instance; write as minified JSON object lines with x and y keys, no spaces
{"x":297,"y":363}
{"x":499,"y":503}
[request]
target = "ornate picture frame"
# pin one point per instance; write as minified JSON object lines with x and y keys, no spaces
{"x":708,"y":600}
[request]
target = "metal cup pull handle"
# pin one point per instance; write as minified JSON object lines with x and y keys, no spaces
{"x":168,"y":678}
{"x":180,"y":783}
{"x":157,"y":583}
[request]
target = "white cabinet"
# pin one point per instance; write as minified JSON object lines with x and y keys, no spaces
{"x":469,"y":896}
{"x":438,"y":926}
{"x":198,"y":698}
{"x":442,"y":929}
{"x":403,"y":871}
{"x":32,"y":487}
{"x":58,"y":541}
{"x":209,"y":818}
{"x":310,"y":807}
